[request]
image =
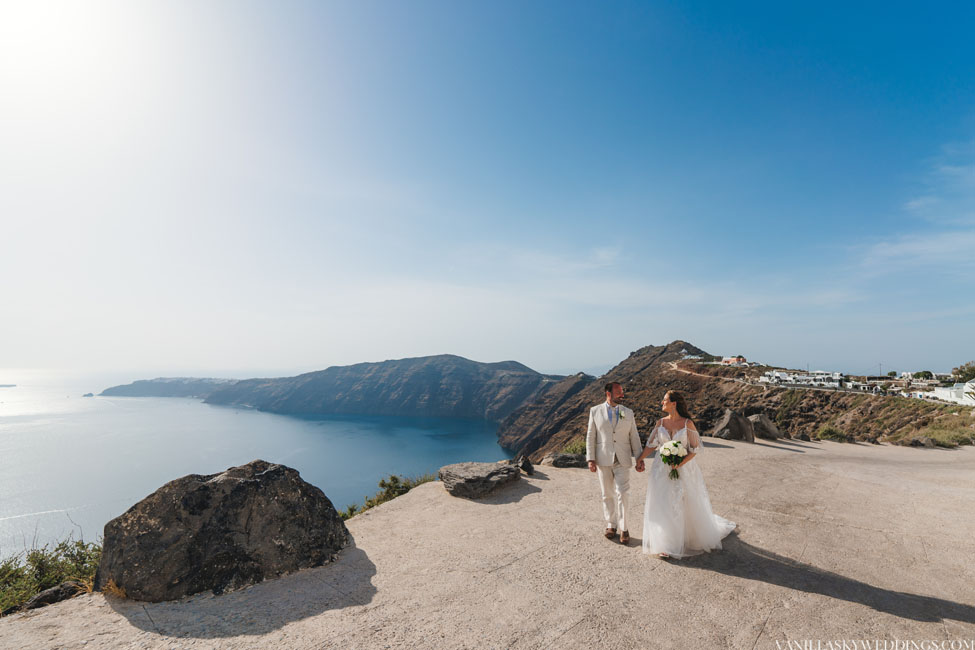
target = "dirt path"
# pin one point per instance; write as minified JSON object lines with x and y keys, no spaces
{"x":835,"y":541}
{"x":673,"y":366}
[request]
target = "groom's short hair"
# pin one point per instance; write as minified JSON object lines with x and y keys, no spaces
{"x":609,"y":386}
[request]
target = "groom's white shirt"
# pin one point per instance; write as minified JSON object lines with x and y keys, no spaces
{"x":608,"y":437}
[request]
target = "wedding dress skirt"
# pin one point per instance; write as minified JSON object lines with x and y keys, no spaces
{"x":678,"y":519}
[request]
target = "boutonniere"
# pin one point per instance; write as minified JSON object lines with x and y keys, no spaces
{"x":620,"y":413}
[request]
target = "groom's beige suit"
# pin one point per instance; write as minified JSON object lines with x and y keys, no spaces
{"x":612,"y":441}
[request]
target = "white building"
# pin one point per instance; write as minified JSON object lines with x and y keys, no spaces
{"x":959,"y":393}
{"x":819,"y":378}
{"x":775,"y":377}
{"x":823,"y":378}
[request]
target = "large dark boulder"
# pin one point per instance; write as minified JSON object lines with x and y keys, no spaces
{"x":220,"y":532}
{"x":475,"y":480}
{"x":763,"y":427}
{"x":733,"y":426}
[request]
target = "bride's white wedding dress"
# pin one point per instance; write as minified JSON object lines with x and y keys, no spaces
{"x":678,"y":520}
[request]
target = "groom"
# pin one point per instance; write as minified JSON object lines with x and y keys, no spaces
{"x":611,"y":443}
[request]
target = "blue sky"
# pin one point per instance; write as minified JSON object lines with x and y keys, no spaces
{"x":276,"y":187}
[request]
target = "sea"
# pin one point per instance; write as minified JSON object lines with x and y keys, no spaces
{"x":69,"y":464}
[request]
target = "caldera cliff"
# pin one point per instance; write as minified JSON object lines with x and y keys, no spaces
{"x":559,"y":414}
{"x":437,"y":386}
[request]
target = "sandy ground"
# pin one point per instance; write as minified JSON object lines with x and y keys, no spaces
{"x":835,"y":542}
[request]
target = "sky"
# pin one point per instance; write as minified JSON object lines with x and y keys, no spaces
{"x":243,"y":188}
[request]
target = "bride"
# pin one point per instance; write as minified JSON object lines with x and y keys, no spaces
{"x":678,"y":521}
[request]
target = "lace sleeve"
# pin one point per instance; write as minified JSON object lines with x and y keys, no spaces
{"x":693,"y":439}
{"x":652,"y":441}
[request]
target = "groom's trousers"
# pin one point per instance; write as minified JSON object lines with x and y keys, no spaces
{"x":614,"y":482}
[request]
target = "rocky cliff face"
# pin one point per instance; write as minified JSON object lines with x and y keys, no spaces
{"x":560,"y":413}
{"x":438,"y":386}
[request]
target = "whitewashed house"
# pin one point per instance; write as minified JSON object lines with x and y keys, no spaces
{"x":825,"y":379}
{"x":776,"y":377}
{"x":959,"y":393}
{"x":818,"y":378}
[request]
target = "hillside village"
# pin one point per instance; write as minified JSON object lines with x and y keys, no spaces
{"x":923,"y":385}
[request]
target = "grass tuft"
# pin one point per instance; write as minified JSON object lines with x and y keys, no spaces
{"x":827,"y":432}
{"x":26,"y":574}
{"x":576,"y":446}
{"x":111,"y":588}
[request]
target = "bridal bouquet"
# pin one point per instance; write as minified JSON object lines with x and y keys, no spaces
{"x":672,"y":453}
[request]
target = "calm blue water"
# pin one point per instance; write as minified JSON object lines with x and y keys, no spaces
{"x":68,"y":464}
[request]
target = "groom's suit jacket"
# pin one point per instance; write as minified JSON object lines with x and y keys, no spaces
{"x":606,"y":438}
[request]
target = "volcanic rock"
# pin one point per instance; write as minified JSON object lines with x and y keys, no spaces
{"x":569,"y":460}
{"x":733,"y":426}
{"x":475,"y":480}
{"x":63,"y":591}
{"x":763,"y":427}
{"x":220,"y":532}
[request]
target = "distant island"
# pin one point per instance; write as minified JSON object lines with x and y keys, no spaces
{"x":168,"y":387}
{"x":8,"y":385}
{"x":444,"y":385}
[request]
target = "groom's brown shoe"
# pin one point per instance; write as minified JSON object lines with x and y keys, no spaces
{"x":610,"y":533}
{"x":625,"y":537}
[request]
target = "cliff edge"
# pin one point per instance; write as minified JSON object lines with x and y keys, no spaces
{"x":835,"y":541}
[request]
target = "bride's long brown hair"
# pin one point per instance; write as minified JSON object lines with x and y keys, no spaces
{"x":678,"y":399}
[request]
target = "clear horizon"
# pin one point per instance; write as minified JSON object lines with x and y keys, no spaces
{"x":188,"y":188}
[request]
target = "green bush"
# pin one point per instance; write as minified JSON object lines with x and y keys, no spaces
{"x":27,"y":574}
{"x":390,"y":487}
{"x":950,"y":430}
{"x":827,"y":432}
{"x":576,"y":446}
